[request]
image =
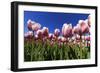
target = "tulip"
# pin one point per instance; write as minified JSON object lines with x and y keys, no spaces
{"x":36,"y":37}
{"x":50,"y":36}
{"x":56,"y":32}
{"x":84,"y":26}
{"x":36,"y":26}
{"x":45,"y":31}
{"x":32,"y":25}
{"x":54,"y":38}
{"x":39,"y":33}
{"x":59,"y":38}
{"x":67,"y":30}
{"x":29,"y":34}
{"x":62,"y":39}
{"x":77,"y":37}
{"x":77,"y":30}
{"x":29,"y":24}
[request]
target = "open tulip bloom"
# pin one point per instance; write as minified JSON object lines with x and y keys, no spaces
{"x":64,"y":43}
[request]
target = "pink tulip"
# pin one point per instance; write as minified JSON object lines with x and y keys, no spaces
{"x":29,"y":24}
{"x":33,"y":25}
{"x":84,"y":26}
{"x":36,"y":37}
{"x":45,"y":31}
{"x":67,"y":30}
{"x":77,"y":37}
{"x":50,"y":36}
{"x":62,"y":39}
{"x":77,"y":30}
{"x":59,"y":38}
{"x":36,"y":26}
{"x":39,"y":33}
{"x":54,"y":37}
{"x":29,"y":34}
{"x":56,"y":32}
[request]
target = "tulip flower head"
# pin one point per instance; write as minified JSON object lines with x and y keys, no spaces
{"x":84,"y":26}
{"x":54,"y":37}
{"x":67,"y":30}
{"x":29,"y":24}
{"x":57,"y":32}
{"x":39,"y":33}
{"x":77,"y":30}
{"x":59,"y":38}
{"x":36,"y":26}
{"x":29,"y":34}
{"x":45,"y":31}
{"x":62,"y":39}
{"x":50,"y":36}
{"x":77,"y":37}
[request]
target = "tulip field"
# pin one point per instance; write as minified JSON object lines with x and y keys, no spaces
{"x":68,"y":43}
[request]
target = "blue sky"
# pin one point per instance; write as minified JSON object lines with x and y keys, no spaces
{"x":52,"y":20}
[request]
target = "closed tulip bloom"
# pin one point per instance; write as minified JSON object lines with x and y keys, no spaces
{"x":67,"y":30}
{"x":84,"y":26}
{"x":77,"y":30}
{"x":54,"y":37}
{"x":57,"y":32}
{"x":29,"y":24}
{"x":59,"y":38}
{"x":39,"y":33}
{"x":63,"y":39}
{"x":29,"y":34}
{"x":36,"y":26}
{"x":50,"y":36}
{"x":77,"y":37}
{"x":45,"y":31}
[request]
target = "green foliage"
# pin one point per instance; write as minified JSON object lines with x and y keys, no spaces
{"x":43,"y":51}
